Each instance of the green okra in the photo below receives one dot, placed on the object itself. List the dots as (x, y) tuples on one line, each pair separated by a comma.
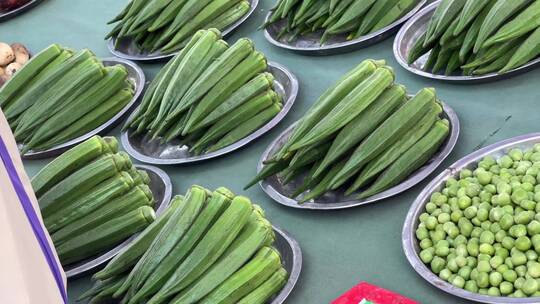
[(449, 33), (267, 171), (229, 17), (351, 106), (267, 289), (472, 32), (418, 49), (496, 65), (525, 22), (453, 64), (374, 15), (386, 159), (387, 134), (501, 11), (491, 54), (432, 58), (362, 125), (411, 160), (325, 184), (167, 15), (444, 15), (350, 17), (527, 51), (471, 10), (397, 11)]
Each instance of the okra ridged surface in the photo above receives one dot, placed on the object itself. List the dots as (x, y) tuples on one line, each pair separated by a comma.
[(363, 136), (479, 37), (209, 96), (350, 18), (168, 26), (92, 199), (62, 94), (207, 247)]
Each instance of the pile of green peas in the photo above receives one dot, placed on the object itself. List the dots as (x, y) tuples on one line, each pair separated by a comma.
[(482, 232)]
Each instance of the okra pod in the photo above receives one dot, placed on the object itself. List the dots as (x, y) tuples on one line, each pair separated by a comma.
[(471, 10), (527, 51)]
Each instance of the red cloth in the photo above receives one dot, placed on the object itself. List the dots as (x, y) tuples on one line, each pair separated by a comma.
[(371, 293)]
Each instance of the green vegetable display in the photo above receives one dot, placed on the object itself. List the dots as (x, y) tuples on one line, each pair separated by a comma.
[(209, 96), (92, 198), (353, 18), (477, 37), (481, 232), (208, 247), (167, 26), (62, 94), (364, 133)]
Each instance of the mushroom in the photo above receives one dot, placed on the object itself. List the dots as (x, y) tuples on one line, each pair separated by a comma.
[(6, 54), (12, 68), (2, 71), (3, 79), (21, 53)]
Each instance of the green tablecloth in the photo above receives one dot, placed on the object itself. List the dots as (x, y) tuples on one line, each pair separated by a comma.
[(340, 248)]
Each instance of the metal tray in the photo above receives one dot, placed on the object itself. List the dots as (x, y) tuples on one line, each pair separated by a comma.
[(415, 27), (127, 49), (410, 244), (136, 75), (291, 256), (309, 44), (336, 199), (145, 150), (161, 187), (12, 13)]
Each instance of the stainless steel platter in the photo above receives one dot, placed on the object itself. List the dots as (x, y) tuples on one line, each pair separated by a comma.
[(415, 27), (150, 151), (410, 243), (291, 255), (336, 199), (309, 44), (161, 187), (126, 48), (136, 75), (5, 15)]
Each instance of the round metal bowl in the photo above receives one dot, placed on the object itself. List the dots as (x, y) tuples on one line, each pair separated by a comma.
[(136, 75), (15, 12), (410, 243), (161, 187), (291, 256), (128, 50), (415, 27), (333, 200), (309, 44), (150, 151)]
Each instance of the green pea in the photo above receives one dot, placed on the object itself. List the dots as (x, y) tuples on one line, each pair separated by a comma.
[(519, 294), (436, 212), (530, 178), (502, 252), (537, 196), (482, 280), (464, 202), (484, 257), (494, 292), (456, 215), (527, 186), (495, 214), (446, 209), (489, 160), (483, 291), (503, 199), (431, 222), (442, 251), (518, 258), (453, 232), (533, 228), (518, 230), (507, 221), (486, 249), (426, 243), (496, 261), (482, 214), (471, 261), (437, 264), (508, 242), (533, 269), (508, 262), (426, 256), (470, 212), (437, 235), (502, 268), (476, 232), (465, 272), (510, 276), (518, 195), (484, 196), (443, 218), (535, 156), (523, 243), (445, 274), (484, 177), (471, 286), (452, 265), (487, 237), (465, 173), (516, 154), (422, 233), (460, 240), (505, 162), (506, 288), (483, 266), (531, 255), (490, 189), (521, 270), (500, 235), (529, 287), (495, 279), (518, 283), (458, 282)]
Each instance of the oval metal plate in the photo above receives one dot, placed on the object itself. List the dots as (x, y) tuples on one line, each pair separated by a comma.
[(145, 150), (12, 13), (309, 44), (291, 256), (161, 186), (136, 75), (415, 27), (336, 199), (126, 48), (410, 244)]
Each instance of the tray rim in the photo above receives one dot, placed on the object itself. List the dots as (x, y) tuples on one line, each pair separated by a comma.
[(13, 13), (297, 262)]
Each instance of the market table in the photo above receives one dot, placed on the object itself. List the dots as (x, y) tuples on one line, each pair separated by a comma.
[(340, 248)]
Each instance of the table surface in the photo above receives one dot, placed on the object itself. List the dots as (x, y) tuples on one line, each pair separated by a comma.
[(341, 248)]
